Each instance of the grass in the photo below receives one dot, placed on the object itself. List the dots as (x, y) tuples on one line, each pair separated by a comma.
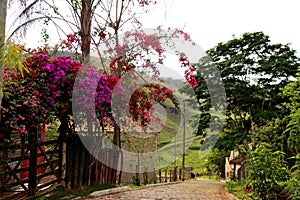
[(137, 186), (65, 193), (192, 158), (215, 178), (237, 189)]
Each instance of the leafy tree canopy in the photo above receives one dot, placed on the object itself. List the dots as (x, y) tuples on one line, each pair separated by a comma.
[(253, 70)]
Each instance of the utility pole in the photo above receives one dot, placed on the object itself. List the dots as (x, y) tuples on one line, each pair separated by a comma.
[(175, 149), (183, 146)]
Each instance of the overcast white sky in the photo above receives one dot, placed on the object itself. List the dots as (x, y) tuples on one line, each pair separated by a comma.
[(212, 21)]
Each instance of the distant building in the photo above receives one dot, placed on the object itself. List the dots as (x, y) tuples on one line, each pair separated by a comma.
[(232, 165)]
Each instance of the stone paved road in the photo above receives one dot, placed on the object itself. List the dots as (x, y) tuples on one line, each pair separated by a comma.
[(192, 189)]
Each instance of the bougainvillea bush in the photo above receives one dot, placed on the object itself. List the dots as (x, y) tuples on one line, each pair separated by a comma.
[(23, 109), (141, 52), (143, 100), (44, 91)]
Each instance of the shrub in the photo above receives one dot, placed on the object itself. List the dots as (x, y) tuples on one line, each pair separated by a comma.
[(266, 171), (292, 186)]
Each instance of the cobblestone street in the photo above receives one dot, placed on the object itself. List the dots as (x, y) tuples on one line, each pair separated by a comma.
[(197, 189)]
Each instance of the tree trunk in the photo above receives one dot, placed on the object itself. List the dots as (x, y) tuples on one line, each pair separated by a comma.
[(85, 32), (3, 8), (114, 158), (222, 168)]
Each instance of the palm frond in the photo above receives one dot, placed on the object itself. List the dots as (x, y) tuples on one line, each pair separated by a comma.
[(25, 24), (25, 12)]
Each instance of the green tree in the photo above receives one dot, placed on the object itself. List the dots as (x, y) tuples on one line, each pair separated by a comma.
[(253, 70), (10, 53), (292, 132), (292, 91)]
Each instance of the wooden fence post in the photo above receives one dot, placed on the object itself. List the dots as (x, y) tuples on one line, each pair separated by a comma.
[(166, 175), (145, 177), (62, 160), (137, 168), (137, 175), (63, 163), (180, 174), (159, 174), (32, 185), (155, 178), (175, 174)]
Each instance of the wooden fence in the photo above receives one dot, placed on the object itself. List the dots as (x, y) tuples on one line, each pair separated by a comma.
[(30, 168), (63, 162), (172, 175), (82, 168)]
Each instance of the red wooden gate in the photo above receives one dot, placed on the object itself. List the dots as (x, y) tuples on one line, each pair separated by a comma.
[(18, 179)]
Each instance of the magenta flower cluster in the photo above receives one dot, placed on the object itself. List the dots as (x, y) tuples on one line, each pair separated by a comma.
[(92, 91), (60, 75)]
